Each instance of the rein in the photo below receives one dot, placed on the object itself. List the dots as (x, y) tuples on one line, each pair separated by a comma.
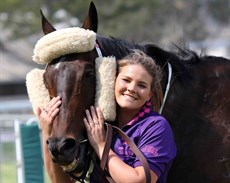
[(131, 144)]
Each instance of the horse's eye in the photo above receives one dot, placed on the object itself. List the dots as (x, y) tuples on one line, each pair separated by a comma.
[(89, 75)]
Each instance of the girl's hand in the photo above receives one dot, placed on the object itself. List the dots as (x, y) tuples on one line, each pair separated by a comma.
[(94, 123), (47, 115)]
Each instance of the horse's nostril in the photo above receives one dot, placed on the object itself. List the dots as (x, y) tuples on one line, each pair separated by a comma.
[(67, 144)]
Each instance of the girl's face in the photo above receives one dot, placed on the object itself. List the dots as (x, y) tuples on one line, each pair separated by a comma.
[(133, 87)]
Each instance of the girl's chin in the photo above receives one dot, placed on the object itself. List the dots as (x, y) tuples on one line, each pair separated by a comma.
[(127, 103), (129, 106)]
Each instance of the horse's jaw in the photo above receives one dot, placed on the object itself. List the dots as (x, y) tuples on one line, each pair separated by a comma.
[(72, 166), (80, 162), (77, 167)]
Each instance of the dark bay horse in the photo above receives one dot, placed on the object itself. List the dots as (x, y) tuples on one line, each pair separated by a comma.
[(197, 105)]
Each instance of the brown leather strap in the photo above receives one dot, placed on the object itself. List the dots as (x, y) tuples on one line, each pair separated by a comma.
[(108, 141), (137, 152), (131, 144)]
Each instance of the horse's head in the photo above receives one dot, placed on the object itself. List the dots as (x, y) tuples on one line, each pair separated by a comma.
[(73, 78), (78, 73), (70, 74)]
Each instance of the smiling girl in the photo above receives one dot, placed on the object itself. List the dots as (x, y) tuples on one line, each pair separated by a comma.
[(137, 84)]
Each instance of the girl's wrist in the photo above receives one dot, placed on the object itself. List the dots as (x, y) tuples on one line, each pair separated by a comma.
[(100, 151)]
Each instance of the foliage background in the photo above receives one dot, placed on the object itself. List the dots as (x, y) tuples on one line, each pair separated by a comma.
[(160, 21)]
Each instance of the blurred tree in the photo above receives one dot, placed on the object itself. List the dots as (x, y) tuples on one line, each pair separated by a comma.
[(19, 17), (219, 10), (160, 21)]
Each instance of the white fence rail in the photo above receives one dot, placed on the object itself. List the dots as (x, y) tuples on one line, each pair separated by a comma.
[(11, 108)]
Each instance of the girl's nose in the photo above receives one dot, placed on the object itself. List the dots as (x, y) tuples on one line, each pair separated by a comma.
[(131, 88)]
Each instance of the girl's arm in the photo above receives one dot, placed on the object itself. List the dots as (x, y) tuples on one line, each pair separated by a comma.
[(123, 173), (119, 170)]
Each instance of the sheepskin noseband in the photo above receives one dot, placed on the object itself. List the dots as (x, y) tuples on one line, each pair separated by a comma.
[(67, 41)]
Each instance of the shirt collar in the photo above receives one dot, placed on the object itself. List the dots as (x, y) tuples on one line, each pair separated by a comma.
[(144, 110)]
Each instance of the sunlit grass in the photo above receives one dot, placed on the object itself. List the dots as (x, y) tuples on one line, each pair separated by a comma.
[(8, 173), (8, 168)]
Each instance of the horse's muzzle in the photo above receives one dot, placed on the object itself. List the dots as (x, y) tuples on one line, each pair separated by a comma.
[(63, 150)]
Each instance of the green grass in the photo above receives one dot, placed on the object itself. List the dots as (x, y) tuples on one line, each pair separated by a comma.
[(8, 169), (8, 173)]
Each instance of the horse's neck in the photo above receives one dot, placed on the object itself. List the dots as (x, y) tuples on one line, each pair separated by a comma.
[(117, 47)]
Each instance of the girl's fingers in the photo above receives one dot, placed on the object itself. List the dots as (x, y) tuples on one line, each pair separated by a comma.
[(94, 115), (39, 111), (53, 103), (87, 126), (53, 107), (100, 116), (89, 118), (55, 112), (47, 115)]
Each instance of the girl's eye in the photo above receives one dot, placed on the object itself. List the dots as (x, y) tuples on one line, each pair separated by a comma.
[(126, 80), (142, 86)]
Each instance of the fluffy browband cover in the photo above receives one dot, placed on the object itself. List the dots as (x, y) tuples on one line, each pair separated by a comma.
[(37, 92), (63, 42), (105, 81)]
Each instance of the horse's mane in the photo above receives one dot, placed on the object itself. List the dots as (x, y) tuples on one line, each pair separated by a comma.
[(179, 59), (186, 55), (117, 47)]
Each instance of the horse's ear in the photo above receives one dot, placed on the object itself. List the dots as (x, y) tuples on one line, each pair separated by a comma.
[(91, 20), (46, 25)]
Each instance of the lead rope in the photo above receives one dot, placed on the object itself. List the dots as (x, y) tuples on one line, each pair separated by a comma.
[(133, 147), (167, 87)]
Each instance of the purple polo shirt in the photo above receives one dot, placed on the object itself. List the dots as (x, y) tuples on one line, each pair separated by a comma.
[(153, 136)]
